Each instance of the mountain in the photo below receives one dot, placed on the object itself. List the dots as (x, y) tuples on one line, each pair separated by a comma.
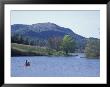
[(43, 31)]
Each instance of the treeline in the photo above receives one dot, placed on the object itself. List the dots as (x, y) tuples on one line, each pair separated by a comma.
[(60, 45), (20, 39)]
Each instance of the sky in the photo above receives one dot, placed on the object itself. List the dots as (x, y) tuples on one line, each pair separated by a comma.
[(85, 23)]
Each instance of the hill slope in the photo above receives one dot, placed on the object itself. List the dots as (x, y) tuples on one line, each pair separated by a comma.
[(43, 31)]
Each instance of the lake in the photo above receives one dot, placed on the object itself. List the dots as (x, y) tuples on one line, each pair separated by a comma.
[(44, 66)]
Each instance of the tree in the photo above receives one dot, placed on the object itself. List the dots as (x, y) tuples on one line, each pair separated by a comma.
[(17, 38), (68, 44), (92, 48), (55, 43)]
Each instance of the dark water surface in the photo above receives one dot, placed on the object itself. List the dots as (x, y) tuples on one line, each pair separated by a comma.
[(44, 66)]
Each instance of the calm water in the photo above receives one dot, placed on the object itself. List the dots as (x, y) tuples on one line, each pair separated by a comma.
[(42, 66)]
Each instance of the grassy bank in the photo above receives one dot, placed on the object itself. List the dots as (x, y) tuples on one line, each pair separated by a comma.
[(28, 50)]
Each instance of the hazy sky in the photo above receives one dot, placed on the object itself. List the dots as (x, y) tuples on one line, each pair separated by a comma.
[(85, 23)]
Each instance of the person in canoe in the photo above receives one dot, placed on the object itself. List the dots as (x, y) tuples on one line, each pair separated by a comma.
[(27, 63)]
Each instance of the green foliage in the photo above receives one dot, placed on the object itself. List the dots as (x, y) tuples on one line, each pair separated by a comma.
[(68, 44), (92, 48), (55, 53), (50, 51), (59, 53)]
